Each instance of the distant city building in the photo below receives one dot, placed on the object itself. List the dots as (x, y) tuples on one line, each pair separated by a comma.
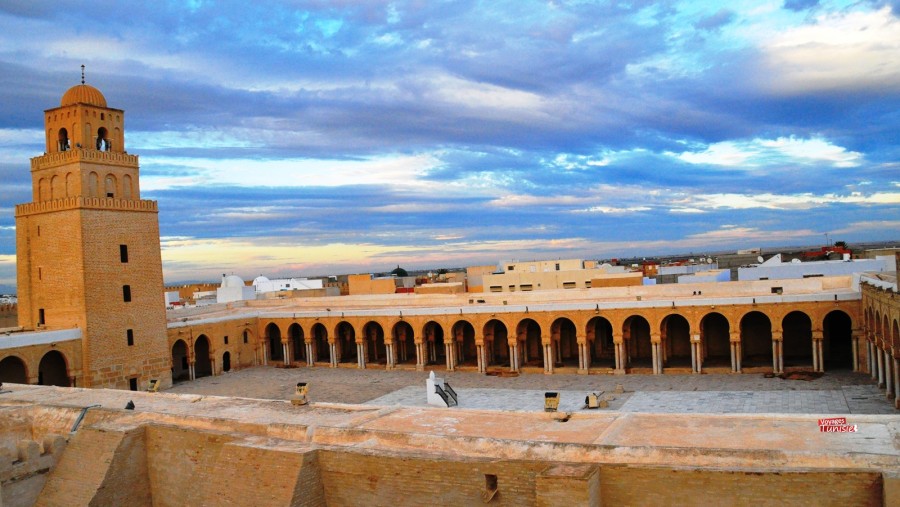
[(234, 289), (557, 274), (775, 269)]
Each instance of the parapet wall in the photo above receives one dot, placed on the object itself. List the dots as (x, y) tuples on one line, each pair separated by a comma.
[(195, 450)]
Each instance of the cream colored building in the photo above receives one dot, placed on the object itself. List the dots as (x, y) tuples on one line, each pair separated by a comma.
[(558, 274)]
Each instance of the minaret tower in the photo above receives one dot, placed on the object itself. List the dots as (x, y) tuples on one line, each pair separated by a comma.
[(87, 247)]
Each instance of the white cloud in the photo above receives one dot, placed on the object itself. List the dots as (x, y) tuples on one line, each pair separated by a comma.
[(398, 170), (840, 51), (764, 152)]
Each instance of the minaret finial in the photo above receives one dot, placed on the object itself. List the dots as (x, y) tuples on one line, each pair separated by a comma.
[(82, 73)]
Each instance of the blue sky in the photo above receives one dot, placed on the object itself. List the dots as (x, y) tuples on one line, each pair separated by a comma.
[(321, 137)]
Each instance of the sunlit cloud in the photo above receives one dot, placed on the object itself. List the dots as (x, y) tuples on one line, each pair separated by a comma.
[(762, 152), (846, 50)]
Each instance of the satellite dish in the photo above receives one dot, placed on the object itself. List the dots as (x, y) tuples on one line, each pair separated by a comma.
[(709, 260), (795, 261), (759, 258)]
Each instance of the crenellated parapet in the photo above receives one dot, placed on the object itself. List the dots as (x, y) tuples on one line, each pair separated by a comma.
[(98, 203), (51, 160)]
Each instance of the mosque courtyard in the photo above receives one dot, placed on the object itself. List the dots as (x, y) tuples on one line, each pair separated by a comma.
[(840, 392)]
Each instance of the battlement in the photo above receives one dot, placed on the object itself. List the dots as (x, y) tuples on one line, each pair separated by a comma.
[(50, 160), (100, 203)]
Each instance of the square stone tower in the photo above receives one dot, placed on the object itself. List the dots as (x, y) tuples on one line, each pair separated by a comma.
[(87, 247)]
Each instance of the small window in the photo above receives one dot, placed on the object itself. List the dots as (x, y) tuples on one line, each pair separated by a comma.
[(110, 195), (777, 290), (510, 268), (526, 287), (226, 340), (126, 293), (132, 384), (40, 317), (102, 116), (39, 230), (512, 288), (245, 336), (129, 334), (568, 285), (40, 274), (587, 284), (496, 288), (123, 253), (557, 266)]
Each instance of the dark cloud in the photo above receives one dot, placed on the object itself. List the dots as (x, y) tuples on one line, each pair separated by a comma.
[(715, 21)]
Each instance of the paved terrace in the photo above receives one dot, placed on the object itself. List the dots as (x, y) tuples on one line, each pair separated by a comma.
[(832, 393)]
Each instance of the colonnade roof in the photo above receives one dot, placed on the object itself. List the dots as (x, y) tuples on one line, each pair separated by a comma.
[(25, 339), (557, 301)]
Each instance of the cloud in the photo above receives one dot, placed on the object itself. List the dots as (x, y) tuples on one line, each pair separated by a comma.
[(761, 152), (843, 51)]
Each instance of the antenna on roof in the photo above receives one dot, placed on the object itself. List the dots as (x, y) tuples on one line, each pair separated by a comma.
[(82, 73)]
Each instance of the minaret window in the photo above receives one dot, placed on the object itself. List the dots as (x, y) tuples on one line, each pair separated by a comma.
[(110, 186), (102, 139), (63, 140), (126, 293), (123, 253)]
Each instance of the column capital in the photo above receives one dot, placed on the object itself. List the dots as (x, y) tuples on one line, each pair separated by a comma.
[(818, 334), (777, 336), (655, 337)]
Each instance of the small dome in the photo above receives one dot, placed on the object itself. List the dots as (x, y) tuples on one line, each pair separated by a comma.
[(260, 280), (232, 281), (83, 94)]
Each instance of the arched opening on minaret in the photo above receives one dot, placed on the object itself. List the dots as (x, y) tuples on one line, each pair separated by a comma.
[(63, 140), (102, 139)]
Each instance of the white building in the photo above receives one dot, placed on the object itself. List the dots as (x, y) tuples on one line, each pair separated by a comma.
[(233, 288), (263, 284), (776, 269)]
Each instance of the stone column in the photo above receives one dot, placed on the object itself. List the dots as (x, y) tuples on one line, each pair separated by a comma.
[(879, 355), (191, 371), (548, 358), (777, 357), (618, 345), (888, 375), (896, 382), (332, 355), (265, 354), (309, 354), (854, 339), (479, 356), (287, 356), (360, 356), (582, 355), (870, 356), (420, 357)]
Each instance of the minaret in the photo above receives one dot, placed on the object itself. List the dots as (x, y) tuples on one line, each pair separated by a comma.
[(87, 247)]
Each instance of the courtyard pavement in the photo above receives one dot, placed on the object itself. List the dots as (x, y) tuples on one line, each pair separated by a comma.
[(834, 393)]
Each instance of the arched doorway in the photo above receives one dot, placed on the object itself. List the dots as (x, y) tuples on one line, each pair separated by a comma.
[(434, 336), (202, 364), (636, 331), (528, 339), (600, 336), (797, 328), (377, 351), (676, 336), (52, 370), (406, 343), (273, 342), (13, 370), (320, 341), (497, 344), (180, 368), (756, 340), (716, 339), (565, 342), (837, 332), (465, 340), (346, 337), (298, 345), (226, 361)]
